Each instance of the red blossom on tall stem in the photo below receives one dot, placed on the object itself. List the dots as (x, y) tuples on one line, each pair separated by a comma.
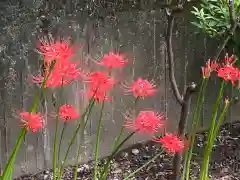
[(59, 50), (100, 80), (141, 88), (63, 73), (171, 143), (31, 121), (67, 113), (209, 68), (146, 122), (205, 72), (228, 73), (229, 60), (212, 65), (113, 61), (99, 85)]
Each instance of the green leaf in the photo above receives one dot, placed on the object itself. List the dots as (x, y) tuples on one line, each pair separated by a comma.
[(196, 24)]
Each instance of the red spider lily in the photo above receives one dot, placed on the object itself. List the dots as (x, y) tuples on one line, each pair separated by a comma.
[(229, 60), (100, 84), (210, 67), (100, 80), (59, 50), (31, 121), (213, 65), (53, 81), (206, 72), (68, 113), (141, 88), (63, 73), (67, 70), (228, 73), (146, 122), (113, 60), (171, 143)]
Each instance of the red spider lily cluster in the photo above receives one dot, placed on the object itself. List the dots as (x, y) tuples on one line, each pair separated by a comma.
[(64, 70), (68, 113), (226, 70), (100, 84)]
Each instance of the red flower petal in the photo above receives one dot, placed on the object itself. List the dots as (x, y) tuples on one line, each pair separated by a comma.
[(31, 121), (146, 122), (68, 113), (171, 143), (141, 88)]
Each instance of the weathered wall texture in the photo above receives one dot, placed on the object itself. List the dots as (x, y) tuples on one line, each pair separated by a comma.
[(140, 35)]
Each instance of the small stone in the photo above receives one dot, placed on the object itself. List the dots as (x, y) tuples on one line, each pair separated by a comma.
[(225, 170), (114, 165), (117, 171), (125, 154), (135, 151), (45, 176), (145, 157), (227, 177), (86, 166), (80, 169)]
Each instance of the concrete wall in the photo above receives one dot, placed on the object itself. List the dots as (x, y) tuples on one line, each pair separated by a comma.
[(140, 35)]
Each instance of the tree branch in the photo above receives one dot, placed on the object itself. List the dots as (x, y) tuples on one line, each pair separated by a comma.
[(182, 126), (170, 58), (184, 100)]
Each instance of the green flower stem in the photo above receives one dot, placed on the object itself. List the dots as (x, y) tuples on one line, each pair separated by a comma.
[(60, 142), (79, 147), (110, 157), (7, 173), (97, 143), (143, 166), (216, 130), (122, 128), (207, 150), (117, 140), (220, 120), (90, 105), (55, 142), (106, 165), (54, 149), (196, 117)]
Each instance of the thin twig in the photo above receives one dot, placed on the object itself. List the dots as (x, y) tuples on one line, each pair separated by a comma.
[(171, 59), (230, 34)]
